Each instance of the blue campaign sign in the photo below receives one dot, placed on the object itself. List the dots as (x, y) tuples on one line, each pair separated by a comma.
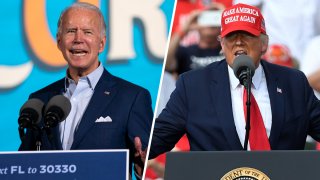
[(137, 33), (65, 165)]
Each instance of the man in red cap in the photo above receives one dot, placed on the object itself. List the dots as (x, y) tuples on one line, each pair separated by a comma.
[(208, 103)]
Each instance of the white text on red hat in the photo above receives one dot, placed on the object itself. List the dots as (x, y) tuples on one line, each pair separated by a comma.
[(240, 10)]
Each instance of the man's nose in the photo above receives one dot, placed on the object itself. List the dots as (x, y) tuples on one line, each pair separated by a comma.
[(239, 39), (78, 37)]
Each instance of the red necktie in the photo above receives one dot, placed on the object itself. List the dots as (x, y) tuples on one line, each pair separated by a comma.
[(258, 136)]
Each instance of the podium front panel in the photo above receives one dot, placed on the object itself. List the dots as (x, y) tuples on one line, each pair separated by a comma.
[(65, 165), (238, 165)]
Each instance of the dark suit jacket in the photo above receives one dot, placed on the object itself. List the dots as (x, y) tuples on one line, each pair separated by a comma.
[(128, 105), (201, 107)]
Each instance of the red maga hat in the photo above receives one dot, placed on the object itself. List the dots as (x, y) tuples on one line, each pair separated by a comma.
[(242, 17), (279, 54)]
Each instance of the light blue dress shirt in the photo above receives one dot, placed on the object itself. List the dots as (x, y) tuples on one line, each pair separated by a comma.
[(79, 95)]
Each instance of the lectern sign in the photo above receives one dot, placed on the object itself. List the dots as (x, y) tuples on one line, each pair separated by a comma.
[(245, 173), (65, 165)]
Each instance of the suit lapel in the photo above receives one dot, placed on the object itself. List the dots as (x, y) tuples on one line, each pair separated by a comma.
[(275, 90), (219, 88), (104, 92)]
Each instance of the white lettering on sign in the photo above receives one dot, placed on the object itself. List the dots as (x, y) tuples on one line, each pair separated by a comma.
[(42, 169)]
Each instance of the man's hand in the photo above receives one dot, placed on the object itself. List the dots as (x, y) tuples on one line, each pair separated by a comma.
[(139, 156), (191, 22)]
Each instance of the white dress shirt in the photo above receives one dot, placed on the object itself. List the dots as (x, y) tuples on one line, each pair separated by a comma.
[(79, 96), (260, 92)]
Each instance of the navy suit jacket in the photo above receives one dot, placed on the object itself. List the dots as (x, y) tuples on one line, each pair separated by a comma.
[(200, 106), (128, 105)]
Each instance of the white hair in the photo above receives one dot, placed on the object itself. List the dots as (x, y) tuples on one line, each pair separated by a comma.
[(84, 5)]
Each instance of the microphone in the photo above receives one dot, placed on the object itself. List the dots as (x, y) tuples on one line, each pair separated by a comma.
[(29, 117), (30, 113), (243, 68), (57, 109)]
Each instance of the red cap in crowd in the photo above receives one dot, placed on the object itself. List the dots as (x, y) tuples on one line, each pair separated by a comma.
[(242, 17), (279, 54)]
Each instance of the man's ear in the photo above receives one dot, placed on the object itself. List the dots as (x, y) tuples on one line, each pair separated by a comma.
[(265, 45), (222, 46), (58, 40), (102, 43)]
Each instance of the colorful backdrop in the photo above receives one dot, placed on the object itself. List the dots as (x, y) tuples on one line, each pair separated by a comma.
[(137, 32)]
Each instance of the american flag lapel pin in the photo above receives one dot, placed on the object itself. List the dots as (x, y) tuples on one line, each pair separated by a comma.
[(279, 90)]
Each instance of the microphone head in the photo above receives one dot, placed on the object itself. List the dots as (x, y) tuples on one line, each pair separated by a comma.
[(31, 112), (58, 105), (241, 63)]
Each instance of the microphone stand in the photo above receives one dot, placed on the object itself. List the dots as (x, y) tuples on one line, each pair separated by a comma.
[(247, 85), (22, 136), (51, 121), (50, 136), (38, 138), (38, 132)]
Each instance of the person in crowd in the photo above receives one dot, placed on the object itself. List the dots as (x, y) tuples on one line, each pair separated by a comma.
[(281, 55), (206, 22), (311, 64)]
